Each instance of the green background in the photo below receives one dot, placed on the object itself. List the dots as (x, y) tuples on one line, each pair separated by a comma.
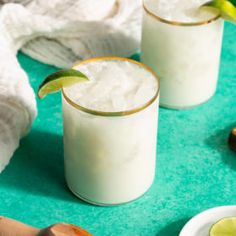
[(195, 168)]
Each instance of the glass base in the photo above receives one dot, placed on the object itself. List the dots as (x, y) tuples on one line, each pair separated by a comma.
[(104, 204), (186, 107)]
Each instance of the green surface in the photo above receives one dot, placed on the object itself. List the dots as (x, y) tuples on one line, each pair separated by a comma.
[(195, 168)]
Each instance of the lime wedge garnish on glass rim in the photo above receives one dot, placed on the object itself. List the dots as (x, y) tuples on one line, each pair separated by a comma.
[(59, 80), (224, 227), (227, 8)]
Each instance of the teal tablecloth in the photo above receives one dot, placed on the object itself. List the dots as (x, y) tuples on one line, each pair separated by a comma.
[(195, 168)]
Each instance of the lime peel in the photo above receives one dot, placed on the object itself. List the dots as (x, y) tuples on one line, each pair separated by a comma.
[(60, 79), (227, 8)]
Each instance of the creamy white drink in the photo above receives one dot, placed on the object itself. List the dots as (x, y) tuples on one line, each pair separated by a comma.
[(110, 131), (182, 43)]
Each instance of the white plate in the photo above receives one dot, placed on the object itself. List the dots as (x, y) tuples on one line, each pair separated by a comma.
[(200, 224)]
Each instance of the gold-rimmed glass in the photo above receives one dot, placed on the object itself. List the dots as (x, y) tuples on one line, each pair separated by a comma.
[(185, 55), (110, 156)]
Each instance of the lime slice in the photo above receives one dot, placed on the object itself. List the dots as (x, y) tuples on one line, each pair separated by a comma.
[(224, 227), (227, 8), (56, 81)]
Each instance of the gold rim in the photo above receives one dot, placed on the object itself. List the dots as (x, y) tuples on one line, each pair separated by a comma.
[(119, 113), (148, 11)]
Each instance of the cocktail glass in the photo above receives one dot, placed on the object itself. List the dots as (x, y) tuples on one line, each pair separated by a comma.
[(110, 156), (185, 56)]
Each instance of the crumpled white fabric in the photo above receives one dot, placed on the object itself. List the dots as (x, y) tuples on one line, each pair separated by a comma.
[(57, 32)]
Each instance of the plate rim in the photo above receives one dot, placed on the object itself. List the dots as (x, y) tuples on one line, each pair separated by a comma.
[(185, 229)]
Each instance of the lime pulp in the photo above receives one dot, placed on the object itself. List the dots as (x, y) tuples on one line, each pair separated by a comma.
[(226, 8), (224, 227)]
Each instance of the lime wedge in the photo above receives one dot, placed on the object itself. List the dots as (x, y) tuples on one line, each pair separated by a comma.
[(224, 227), (56, 81), (227, 8)]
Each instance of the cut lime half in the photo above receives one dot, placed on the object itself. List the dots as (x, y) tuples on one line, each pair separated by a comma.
[(224, 227), (227, 8), (61, 79)]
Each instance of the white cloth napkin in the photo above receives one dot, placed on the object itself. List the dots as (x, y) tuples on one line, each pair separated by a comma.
[(57, 32)]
